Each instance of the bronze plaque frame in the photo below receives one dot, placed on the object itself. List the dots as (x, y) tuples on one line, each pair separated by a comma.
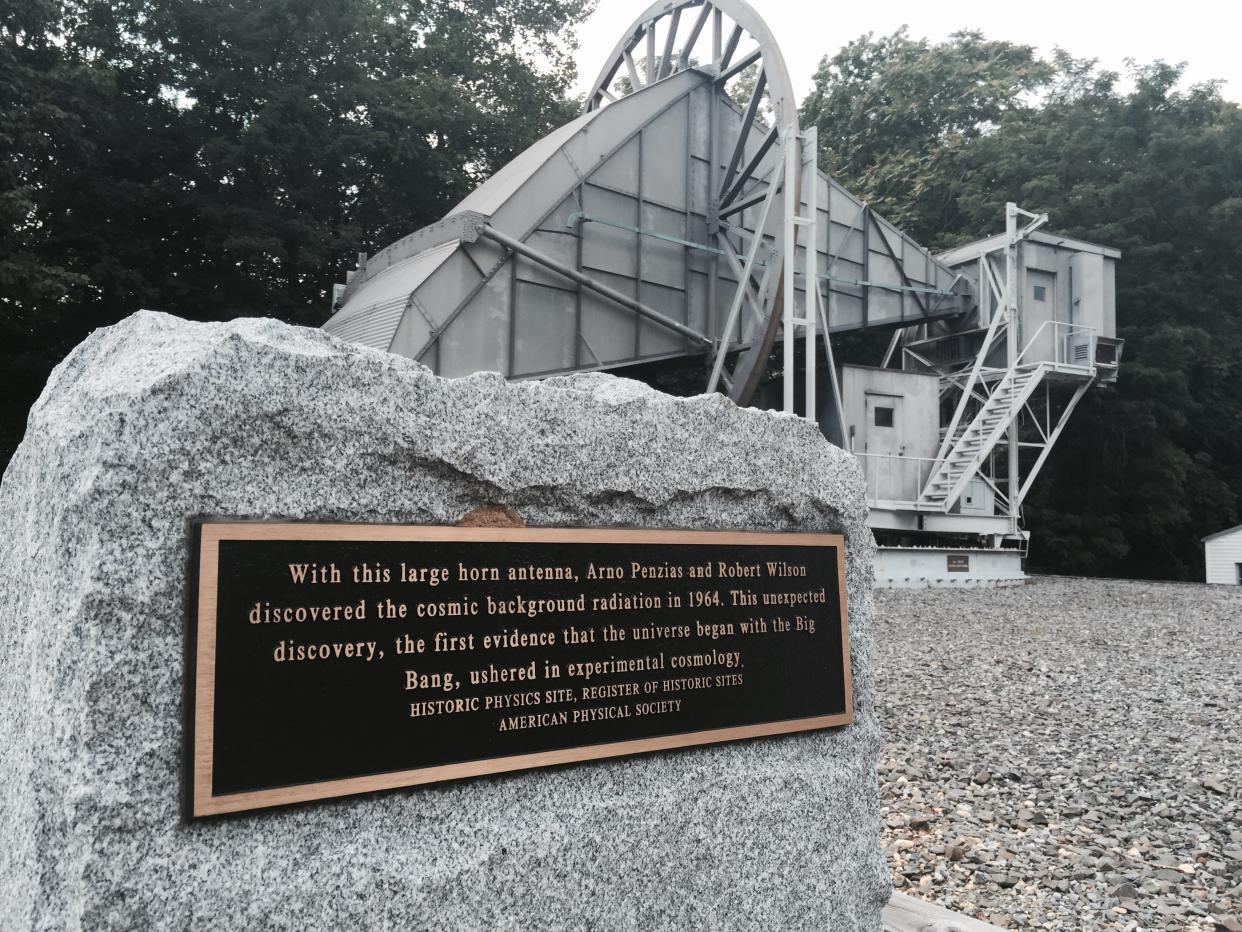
[(201, 651)]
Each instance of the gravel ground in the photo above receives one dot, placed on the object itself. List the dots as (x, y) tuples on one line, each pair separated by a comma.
[(1065, 755)]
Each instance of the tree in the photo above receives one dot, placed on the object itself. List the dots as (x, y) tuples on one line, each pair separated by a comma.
[(894, 114), (232, 157)]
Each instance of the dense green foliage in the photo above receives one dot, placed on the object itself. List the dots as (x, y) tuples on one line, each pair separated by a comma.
[(939, 136), (231, 157)]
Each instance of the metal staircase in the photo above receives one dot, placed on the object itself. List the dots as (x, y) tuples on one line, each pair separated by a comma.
[(971, 447)]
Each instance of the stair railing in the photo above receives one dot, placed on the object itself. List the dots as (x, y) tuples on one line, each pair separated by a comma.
[(967, 390), (1060, 339)]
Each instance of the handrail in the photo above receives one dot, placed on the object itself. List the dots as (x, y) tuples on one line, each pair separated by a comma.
[(898, 456), (993, 330), (922, 462), (1056, 345), (886, 470)]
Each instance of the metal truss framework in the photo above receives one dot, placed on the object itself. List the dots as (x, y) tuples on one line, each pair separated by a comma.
[(628, 235), (753, 180), (995, 403)]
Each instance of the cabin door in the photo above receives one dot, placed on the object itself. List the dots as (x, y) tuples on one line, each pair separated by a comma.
[(890, 475)]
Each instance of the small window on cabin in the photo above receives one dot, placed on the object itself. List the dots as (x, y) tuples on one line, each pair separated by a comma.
[(883, 417), (1041, 293)]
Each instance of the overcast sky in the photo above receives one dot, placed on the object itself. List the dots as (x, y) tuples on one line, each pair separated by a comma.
[(1204, 34)]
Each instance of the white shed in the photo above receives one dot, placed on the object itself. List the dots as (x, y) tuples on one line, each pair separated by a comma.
[(1222, 555)]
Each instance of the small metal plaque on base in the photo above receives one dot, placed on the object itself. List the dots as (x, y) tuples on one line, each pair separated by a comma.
[(331, 659)]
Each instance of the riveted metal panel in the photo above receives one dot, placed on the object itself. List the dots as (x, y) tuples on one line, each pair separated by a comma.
[(432, 303), (607, 328), (561, 245), (842, 205), (652, 338), (846, 243), (664, 150), (620, 171), (544, 337), (477, 340), (663, 262), (606, 248), (696, 293)]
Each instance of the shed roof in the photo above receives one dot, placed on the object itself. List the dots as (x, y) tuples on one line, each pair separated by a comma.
[(1223, 533), (973, 250)]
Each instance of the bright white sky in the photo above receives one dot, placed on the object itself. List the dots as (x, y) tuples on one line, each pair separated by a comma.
[(1205, 34)]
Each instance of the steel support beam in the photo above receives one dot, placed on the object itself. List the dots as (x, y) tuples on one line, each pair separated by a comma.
[(743, 287), (693, 38), (748, 120), (1052, 439), (586, 281), (750, 367), (632, 70), (748, 201), (735, 266), (793, 169), (1011, 352), (740, 66), (809, 158), (729, 48), (666, 58), (768, 141)]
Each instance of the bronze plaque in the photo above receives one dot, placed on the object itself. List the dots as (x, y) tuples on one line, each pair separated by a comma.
[(330, 659), (958, 562)]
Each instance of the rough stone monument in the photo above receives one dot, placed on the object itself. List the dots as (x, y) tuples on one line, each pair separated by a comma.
[(155, 422)]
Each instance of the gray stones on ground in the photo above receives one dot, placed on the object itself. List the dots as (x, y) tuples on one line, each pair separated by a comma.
[(1112, 798)]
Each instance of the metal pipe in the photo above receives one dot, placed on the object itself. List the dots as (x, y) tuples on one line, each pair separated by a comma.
[(504, 239), (793, 169), (884, 286), (578, 216), (810, 258), (710, 208), (750, 200), (1012, 335)]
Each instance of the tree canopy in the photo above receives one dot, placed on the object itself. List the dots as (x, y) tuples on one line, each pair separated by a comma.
[(232, 157), (938, 136)]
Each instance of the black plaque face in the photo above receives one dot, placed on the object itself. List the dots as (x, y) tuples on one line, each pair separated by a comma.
[(958, 562), (336, 659)]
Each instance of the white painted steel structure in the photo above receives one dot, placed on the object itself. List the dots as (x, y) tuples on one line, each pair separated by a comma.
[(1222, 557), (682, 216), (655, 226)]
